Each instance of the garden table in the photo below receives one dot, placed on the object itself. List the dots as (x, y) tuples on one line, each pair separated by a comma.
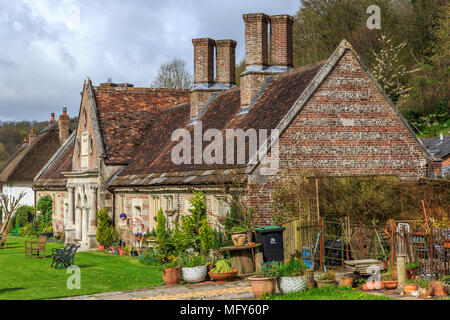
[(245, 259)]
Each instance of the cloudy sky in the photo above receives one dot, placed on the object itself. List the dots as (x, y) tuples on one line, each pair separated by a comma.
[(48, 47)]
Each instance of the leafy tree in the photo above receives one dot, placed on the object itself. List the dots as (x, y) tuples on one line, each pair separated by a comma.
[(173, 75), (45, 207), (24, 215), (106, 233), (388, 71)]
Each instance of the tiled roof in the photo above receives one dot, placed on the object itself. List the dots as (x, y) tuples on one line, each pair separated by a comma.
[(440, 148), (52, 176), (124, 114), (154, 155), (26, 162)]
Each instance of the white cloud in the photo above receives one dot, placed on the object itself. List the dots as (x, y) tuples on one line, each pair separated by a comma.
[(50, 46)]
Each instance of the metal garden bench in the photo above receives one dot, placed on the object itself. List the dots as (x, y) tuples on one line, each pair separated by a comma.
[(64, 257)]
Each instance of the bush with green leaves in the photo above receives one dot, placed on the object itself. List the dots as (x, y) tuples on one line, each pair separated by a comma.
[(106, 233), (267, 271), (163, 237), (45, 207), (24, 215), (191, 260), (291, 268), (150, 257)]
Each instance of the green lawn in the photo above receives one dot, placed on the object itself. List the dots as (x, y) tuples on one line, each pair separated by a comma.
[(25, 279), (327, 293)]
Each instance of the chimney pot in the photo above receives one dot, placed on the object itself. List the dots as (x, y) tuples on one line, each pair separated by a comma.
[(32, 136)]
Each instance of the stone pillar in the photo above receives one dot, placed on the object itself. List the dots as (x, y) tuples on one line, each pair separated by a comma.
[(92, 233), (70, 227)]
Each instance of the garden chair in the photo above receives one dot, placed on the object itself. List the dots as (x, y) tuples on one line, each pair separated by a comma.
[(64, 257), (14, 232), (3, 242), (36, 247)]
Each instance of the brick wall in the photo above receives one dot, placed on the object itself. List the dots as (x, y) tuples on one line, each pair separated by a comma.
[(347, 128)]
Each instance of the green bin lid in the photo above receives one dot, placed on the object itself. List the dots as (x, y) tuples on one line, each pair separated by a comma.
[(267, 228)]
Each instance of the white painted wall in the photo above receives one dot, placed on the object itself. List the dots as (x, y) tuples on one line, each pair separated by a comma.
[(15, 189)]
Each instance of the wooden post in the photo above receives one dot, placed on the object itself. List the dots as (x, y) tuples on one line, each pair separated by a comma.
[(310, 278), (321, 244), (392, 243), (317, 199), (401, 270)]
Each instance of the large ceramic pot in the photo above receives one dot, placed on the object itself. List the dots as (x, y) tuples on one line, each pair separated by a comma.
[(390, 285), (292, 284), (261, 286), (222, 277), (195, 274), (438, 289), (172, 276), (409, 288), (346, 282), (239, 239)]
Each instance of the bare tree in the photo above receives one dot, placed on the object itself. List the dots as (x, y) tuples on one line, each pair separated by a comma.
[(173, 75), (9, 204)]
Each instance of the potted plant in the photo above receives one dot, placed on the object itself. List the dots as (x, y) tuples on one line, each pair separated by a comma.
[(411, 269), (121, 251), (326, 279), (347, 280), (409, 286), (424, 288), (389, 281), (264, 281), (291, 276), (222, 271), (446, 281), (194, 268), (171, 272), (239, 236), (138, 236)]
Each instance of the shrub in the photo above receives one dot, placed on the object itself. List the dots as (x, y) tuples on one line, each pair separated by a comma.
[(106, 233), (163, 236), (45, 206), (291, 268), (267, 271), (193, 260), (150, 258), (205, 234), (24, 215)]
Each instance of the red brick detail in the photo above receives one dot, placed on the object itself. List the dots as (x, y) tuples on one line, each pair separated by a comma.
[(256, 39), (226, 62), (203, 60), (281, 46)]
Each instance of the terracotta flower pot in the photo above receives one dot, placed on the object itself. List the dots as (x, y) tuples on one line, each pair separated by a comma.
[(374, 285), (325, 283), (172, 276), (347, 282), (408, 288), (438, 289), (222, 277), (101, 248), (261, 286), (239, 239), (121, 252), (390, 285)]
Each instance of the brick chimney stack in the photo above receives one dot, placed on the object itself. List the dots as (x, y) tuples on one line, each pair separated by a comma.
[(64, 126), (203, 62), (226, 62), (32, 136), (256, 40), (281, 41), (52, 118), (204, 87), (259, 72)]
